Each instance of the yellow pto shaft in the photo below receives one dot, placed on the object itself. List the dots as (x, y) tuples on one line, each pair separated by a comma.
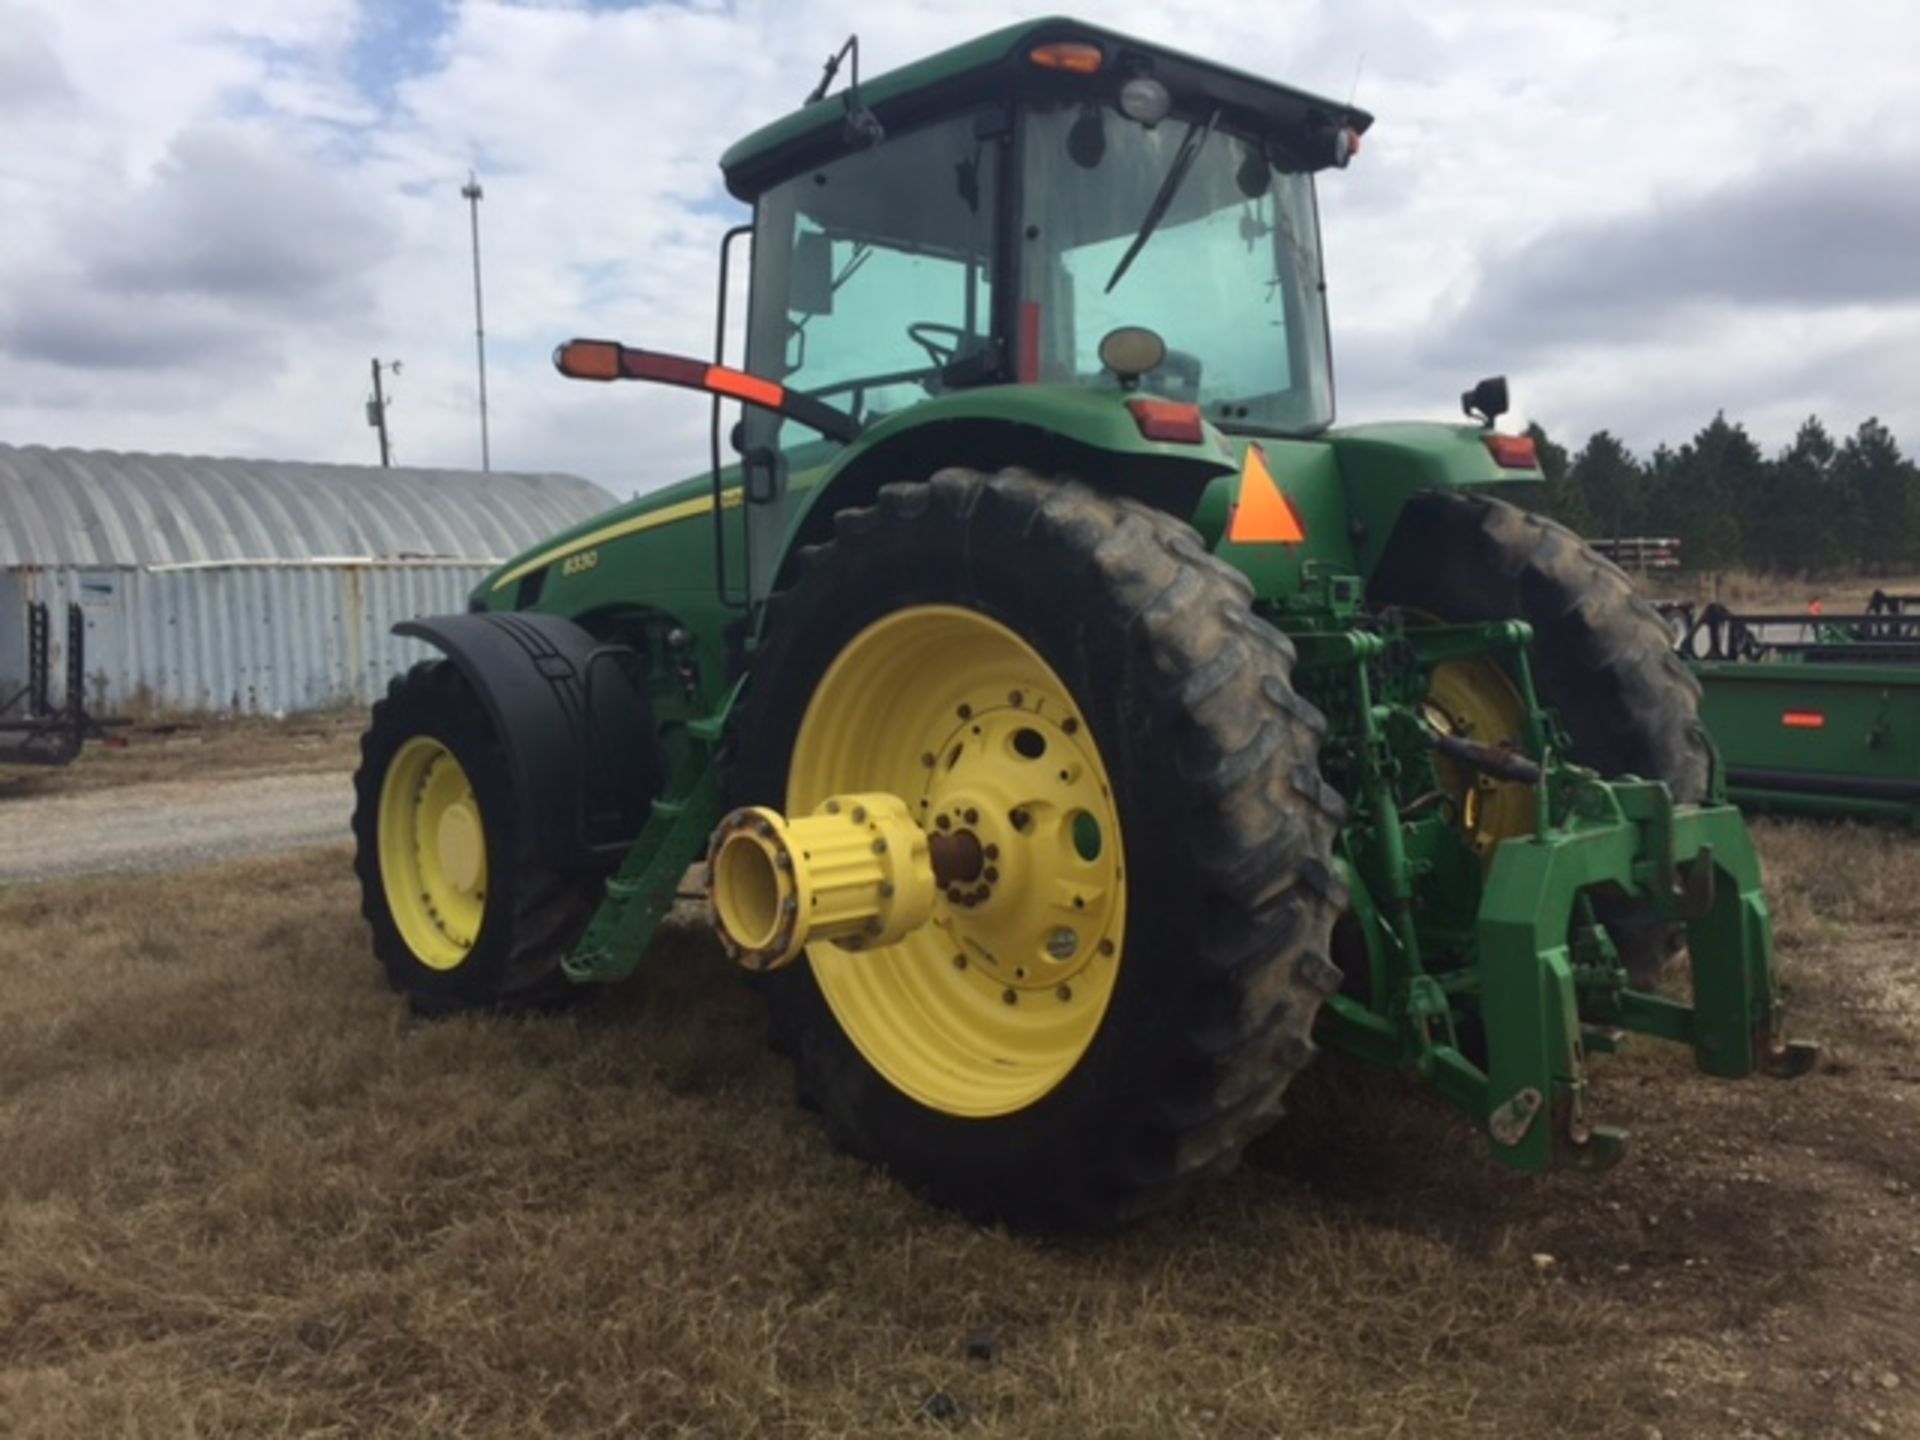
[(859, 872)]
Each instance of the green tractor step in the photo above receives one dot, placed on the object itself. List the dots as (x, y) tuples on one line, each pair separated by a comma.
[(1080, 731)]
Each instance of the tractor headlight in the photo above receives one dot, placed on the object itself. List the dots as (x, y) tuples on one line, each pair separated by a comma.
[(1146, 100)]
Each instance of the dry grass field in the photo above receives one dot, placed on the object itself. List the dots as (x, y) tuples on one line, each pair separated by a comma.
[(1747, 590), (243, 1192)]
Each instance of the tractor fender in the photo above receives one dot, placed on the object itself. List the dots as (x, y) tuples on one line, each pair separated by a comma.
[(573, 721), (1044, 432)]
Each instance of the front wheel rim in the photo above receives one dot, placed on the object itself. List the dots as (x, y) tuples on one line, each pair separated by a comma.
[(433, 853), (996, 1000)]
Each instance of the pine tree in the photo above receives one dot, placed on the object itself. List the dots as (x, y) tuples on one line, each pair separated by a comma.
[(1871, 469), (1609, 485), (1713, 477), (1659, 513), (1810, 522), (1557, 496)]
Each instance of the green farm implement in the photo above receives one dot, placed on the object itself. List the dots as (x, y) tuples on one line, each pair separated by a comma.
[(1814, 714), (1074, 730)]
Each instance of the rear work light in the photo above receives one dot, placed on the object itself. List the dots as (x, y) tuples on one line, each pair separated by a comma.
[(1512, 452), (1068, 55), (1167, 420)]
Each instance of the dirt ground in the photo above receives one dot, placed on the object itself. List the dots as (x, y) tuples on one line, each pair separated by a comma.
[(167, 796), (165, 824), (242, 1191)]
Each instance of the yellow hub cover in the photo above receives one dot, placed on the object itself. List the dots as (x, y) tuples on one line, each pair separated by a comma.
[(994, 1001), (433, 853), (1477, 699)]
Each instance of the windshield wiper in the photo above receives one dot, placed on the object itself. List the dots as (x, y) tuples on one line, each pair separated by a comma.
[(1191, 144)]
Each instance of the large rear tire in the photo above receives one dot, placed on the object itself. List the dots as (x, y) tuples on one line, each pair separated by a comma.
[(1601, 658), (947, 636), (463, 916)]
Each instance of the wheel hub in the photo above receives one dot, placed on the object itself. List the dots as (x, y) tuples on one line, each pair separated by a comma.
[(990, 999), (433, 853), (462, 852), (1010, 780)]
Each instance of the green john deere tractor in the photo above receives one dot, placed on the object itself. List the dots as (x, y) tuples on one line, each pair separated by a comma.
[(1076, 731)]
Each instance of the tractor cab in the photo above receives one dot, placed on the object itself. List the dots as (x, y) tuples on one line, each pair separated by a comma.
[(992, 215)]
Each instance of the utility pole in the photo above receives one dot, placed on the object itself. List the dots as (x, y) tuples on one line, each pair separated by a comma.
[(472, 194), (377, 408)]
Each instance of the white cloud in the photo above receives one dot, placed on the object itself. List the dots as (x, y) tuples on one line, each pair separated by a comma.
[(217, 214)]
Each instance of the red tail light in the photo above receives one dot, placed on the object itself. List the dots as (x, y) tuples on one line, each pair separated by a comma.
[(1804, 720), (1167, 420), (1512, 452)]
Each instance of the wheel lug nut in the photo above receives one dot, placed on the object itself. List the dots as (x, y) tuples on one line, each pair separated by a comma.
[(953, 894), (1010, 997), (990, 875), (992, 852), (972, 817), (965, 712), (959, 962), (1062, 942), (1064, 993)]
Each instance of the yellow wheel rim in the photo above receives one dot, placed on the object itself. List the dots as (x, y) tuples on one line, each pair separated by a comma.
[(1477, 699), (433, 853), (995, 1000)]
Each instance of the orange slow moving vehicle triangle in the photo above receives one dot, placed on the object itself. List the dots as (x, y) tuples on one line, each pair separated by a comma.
[(1263, 515)]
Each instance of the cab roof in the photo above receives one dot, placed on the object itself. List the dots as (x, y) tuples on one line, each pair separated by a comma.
[(949, 78)]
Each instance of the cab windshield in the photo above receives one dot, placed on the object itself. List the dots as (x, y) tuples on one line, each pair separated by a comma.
[(872, 285), (1230, 277)]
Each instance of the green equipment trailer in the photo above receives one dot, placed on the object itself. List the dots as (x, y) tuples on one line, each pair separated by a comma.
[(1076, 728), (1813, 713)]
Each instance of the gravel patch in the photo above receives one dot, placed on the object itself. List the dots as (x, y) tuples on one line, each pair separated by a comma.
[(169, 824)]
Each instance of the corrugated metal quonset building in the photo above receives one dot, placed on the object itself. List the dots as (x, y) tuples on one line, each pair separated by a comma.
[(250, 586)]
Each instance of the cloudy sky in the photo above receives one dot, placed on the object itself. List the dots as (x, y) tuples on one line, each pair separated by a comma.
[(212, 215)]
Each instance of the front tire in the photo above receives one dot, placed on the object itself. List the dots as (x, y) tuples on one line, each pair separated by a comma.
[(982, 623), (462, 915)]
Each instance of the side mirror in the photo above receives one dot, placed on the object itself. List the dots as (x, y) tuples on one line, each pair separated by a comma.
[(810, 276), (1087, 140)]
